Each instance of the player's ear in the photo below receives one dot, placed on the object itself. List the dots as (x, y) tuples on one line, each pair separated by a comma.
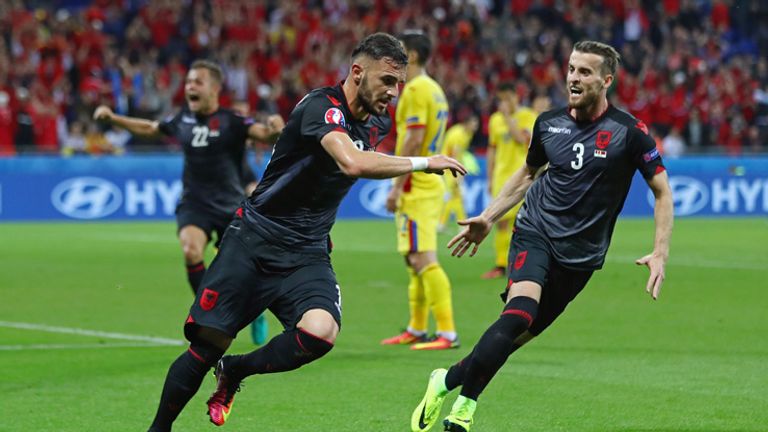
[(356, 73), (607, 80)]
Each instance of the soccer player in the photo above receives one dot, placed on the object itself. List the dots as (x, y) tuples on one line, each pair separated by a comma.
[(564, 227), (509, 131), (416, 199), (213, 141), (457, 139), (275, 254)]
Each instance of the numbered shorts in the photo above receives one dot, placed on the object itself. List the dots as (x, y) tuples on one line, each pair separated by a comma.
[(250, 274), (417, 220), (530, 259), (209, 222)]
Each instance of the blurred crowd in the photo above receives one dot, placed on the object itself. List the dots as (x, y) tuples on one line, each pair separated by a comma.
[(696, 71)]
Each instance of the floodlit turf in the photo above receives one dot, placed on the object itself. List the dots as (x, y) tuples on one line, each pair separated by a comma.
[(694, 361)]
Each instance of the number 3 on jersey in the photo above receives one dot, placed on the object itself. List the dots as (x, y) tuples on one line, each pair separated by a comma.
[(579, 149), (200, 138)]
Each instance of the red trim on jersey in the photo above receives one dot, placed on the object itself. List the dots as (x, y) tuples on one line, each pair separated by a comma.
[(407, 183), (196, 268), (340, 129), (660, 169), (197, 356), (189, 320), (521, 313), (416, 126), (333, 100), (313, 336)]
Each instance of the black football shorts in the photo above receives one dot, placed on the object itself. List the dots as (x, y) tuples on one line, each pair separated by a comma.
[(530, 259), (251, 274), (209, 222)]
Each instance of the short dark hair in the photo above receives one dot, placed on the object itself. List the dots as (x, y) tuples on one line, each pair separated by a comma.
[(380, 45), (213, 68), (419, 42), (611, 57), (507, 86)]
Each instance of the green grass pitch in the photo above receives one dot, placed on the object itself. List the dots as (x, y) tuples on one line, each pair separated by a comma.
[(694, 361)]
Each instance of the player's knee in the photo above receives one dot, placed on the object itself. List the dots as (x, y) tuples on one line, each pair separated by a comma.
[(319, 323), (207, 355), (518, 316), (313, 346), (193, 253)]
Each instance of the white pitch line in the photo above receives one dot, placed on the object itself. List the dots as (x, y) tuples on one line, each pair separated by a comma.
[(95, 333), (77, 346)]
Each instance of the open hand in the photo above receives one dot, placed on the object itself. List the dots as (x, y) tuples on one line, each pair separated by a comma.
[(655, 264), (475, 230), (440, 163)]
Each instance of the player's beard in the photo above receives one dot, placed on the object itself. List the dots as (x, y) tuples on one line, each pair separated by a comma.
[(365, 96), (589, 97)]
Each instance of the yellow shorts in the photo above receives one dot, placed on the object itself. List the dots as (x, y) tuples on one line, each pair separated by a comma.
[(417, 220)]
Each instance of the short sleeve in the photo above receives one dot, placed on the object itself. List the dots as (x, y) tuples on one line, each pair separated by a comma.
[(320, 117), (169, 125), (415, 108), (642, 147), (527, 120), (241, 125), (537, 156)]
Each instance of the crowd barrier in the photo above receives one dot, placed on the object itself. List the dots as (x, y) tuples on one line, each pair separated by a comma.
[(147, 187)]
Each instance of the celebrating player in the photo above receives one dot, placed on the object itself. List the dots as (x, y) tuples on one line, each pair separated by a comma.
[(275, 254), (564, 227), (416, 199), (213, 140), (509, 131)]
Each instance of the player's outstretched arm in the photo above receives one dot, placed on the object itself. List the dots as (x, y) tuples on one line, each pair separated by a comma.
[(477, 228), (268, 131), (136, 126), (357, 163), (663, 218)]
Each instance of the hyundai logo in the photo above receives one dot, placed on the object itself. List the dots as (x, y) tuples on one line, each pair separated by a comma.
[(373, 197), (689, 195), (86, 198)]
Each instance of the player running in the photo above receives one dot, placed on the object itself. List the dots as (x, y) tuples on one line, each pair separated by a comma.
[(416, 199), (564, 227), (275, 254), (213, 141)]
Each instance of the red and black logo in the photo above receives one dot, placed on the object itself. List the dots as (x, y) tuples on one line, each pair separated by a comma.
[(213, 123), (603, 139), (208, 299), (520, 259)]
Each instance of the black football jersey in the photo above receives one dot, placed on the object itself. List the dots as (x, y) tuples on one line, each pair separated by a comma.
[(575, 203), (296, 201), (214, 152)]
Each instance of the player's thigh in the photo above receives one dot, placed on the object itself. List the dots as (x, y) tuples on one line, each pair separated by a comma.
[(529, 265), (417, 221), (191, 222), (308, 287), (562, 287), (234, 290)]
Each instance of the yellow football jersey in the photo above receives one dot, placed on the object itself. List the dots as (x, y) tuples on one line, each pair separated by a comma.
[(423, 104), (510, 154), (457, 140)]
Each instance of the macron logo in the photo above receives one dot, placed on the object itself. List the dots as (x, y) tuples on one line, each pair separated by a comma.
[(559, 130)]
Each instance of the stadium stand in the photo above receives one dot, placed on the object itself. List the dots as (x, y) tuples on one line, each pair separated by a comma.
[(695, 70)]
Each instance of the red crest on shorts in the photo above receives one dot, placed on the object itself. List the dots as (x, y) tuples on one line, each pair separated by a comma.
[(603, 139), (208, 299), (520, 259)]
